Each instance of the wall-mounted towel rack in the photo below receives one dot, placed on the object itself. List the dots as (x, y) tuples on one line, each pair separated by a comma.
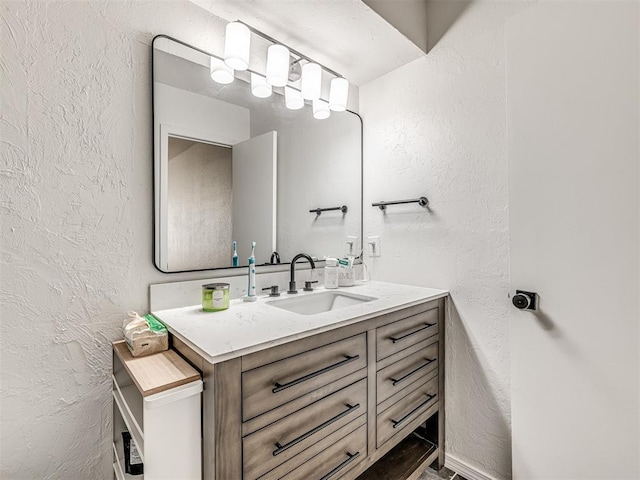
[(318, 211), (422, 201)]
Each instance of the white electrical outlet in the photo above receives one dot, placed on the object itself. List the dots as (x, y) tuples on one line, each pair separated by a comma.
[(351, 246), (373, 246)]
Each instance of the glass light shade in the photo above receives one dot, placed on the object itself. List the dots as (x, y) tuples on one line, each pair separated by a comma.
[(339, 94), (237, 46), (220, 72), (311, 81), (277, 65), (293, 99), (321, 109), (259, 86)]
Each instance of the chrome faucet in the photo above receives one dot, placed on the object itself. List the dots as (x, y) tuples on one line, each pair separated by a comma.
[(292, 280), (275, 258)]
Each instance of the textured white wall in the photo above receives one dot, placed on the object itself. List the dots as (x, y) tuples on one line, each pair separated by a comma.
[(75, 217), (437, 127), (323, 156)]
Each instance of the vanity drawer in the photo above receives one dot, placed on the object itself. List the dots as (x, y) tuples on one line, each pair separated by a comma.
[(398, 375), (273, 445), (408, 408), (399, 335), (316, 449), (336, 460), (272, 385)]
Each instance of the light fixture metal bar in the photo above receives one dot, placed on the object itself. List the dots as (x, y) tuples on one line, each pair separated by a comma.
[(295, 52)]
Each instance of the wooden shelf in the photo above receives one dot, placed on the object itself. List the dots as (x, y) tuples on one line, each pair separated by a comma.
[(155, 373), (406, 461)]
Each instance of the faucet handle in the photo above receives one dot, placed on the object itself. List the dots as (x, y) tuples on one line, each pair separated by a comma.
[(308, 287), (274, 290)]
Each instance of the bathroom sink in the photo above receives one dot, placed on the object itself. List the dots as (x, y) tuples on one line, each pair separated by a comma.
[(320, 302)]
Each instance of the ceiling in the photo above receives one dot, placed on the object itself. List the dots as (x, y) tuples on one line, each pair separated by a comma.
[(344, 35)]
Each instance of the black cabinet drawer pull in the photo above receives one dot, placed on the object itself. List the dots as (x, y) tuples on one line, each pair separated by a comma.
[(279, 387), (352, 457), (406, 335), (398, 422), (281, 448), (403, 378)]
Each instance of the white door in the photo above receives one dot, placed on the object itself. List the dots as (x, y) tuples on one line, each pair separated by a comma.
[(254, 173), (573, 147)]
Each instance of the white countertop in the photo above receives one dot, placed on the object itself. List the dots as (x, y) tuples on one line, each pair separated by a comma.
[(248, 327)]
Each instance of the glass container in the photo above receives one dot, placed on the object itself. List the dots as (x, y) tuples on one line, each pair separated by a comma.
[(215, 297)]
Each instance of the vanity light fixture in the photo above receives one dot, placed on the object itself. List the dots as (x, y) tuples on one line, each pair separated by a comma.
[(237, 46), (278, 65), (320, 109), (283, 66), (259, 86), (338, 94), (220, 72), (293, 98), (311, 81)]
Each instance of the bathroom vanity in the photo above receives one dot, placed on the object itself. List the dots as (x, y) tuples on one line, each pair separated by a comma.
[(318, 385)]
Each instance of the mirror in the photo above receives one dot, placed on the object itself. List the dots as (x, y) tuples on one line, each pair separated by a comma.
[(231, 167)]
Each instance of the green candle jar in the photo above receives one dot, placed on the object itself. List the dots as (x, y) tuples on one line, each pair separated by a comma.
[(215, 297)]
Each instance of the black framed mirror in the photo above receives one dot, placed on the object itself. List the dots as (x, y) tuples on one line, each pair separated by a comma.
[(231, 167)]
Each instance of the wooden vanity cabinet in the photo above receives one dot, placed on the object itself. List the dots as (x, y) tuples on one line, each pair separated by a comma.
[(328, 406)]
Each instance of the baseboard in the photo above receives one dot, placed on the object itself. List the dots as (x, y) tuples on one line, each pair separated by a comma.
[(464, 469)]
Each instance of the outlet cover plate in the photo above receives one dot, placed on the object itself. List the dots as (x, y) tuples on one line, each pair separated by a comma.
[(373, 246)]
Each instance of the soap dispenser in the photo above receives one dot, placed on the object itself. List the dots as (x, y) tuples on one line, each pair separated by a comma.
[(331, 273)]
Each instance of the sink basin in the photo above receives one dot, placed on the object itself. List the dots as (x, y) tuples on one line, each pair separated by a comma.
[(320, 302)]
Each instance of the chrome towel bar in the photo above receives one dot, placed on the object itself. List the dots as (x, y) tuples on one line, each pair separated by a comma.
[(422, 201), (318, 211)]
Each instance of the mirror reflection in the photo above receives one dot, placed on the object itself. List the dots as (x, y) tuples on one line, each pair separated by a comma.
[(231, 167), (199, 193)]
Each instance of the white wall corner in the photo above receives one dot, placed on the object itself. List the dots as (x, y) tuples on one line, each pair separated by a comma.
[(465, 470), (409, 18)]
